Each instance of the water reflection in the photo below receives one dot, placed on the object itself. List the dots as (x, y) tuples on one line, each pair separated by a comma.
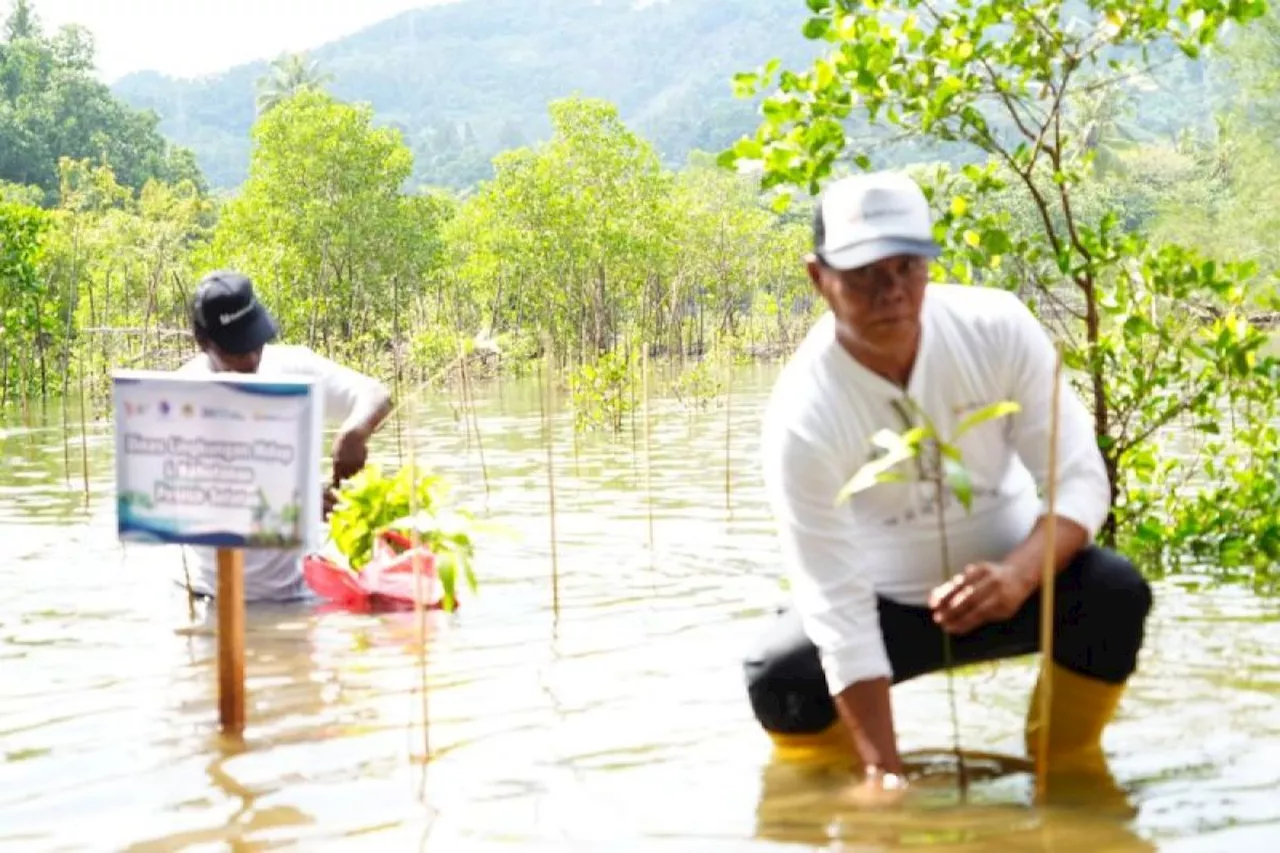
[(806, 803), (623, 725)]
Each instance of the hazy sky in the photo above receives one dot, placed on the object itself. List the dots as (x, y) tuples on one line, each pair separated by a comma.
[(192, 37)]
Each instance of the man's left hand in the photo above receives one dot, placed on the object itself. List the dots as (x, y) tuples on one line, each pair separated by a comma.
[(981, 594), (350, 452)]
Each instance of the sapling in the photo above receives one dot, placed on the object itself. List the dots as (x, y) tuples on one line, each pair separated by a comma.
[(410, 502), (945, 470)]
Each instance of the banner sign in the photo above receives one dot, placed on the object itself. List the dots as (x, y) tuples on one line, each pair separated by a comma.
[(224, 460)]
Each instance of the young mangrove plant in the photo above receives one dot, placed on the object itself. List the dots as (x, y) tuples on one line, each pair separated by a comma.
[(940, 464), (602, 392), (414, 504), (697, 387)]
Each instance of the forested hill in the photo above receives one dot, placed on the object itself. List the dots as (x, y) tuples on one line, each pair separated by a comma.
[(467, 79)]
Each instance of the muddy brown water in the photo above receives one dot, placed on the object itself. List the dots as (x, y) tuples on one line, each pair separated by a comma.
[(622, 725)]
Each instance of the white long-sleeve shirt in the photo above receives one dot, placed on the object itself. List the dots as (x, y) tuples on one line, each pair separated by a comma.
[(276, 575), (978, 346)]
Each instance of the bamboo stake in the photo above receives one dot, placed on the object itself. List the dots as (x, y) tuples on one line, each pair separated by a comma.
[(469, 405), (1047, 590), (547, 399), (648, 451), (397, 365), (728, 440), (575, 368), (66, 374), (84, 431), (631, 392), (66, 433), (419, 605)]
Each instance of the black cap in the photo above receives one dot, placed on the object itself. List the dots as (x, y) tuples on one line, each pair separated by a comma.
[(227, 312)]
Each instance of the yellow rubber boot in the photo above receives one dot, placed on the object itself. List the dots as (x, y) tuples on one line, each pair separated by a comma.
[(832, 746), (1080, 708)]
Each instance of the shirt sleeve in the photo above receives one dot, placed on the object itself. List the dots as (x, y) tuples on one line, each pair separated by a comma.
[(344, 389), (832, 595), (1083, 489)]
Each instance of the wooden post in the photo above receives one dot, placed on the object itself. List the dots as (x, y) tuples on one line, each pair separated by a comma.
[(1047, 581), (230, 606)]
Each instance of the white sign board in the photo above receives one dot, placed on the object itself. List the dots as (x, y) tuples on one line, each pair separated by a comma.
[(224, 460)]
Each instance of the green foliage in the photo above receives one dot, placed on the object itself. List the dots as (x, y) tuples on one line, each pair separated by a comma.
[(603, 392), (21, 194), (588, 239), (896, 448), (369, 502), (697, 386), (52, 106), (290, 74), (448, 535), (408, 502), (1157, 333), (322, 227), (28, 312)]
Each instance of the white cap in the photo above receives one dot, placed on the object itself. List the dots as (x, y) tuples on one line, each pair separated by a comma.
[(864, 218)]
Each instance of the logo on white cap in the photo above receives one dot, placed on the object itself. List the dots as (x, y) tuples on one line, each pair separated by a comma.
[(870, 216)]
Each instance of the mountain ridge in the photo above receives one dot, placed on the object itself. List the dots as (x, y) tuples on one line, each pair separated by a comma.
[(463, 80), (494, 66)]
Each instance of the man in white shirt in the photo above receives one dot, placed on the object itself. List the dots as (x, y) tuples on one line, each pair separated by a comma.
[(869, 601), (235, 332)]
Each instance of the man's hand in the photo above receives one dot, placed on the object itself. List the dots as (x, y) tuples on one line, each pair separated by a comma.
[(877, 790), (350, 452), (330, 500), (981, 594)]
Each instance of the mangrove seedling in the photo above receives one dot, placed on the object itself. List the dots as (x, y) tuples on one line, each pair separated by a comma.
[(940, 463), (603, 392), (447, 533), (410, 503)]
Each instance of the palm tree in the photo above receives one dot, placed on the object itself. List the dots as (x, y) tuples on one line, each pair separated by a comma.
[(290, 74)]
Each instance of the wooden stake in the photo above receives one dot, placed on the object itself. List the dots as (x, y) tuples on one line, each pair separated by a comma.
[(1046, 591), (230, 606), (469, 411), (728, 439), (420, 610), (548, 408), (648, 451)]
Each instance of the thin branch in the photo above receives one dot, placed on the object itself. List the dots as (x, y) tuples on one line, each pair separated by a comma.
[(1059, 92), (1183, 405)]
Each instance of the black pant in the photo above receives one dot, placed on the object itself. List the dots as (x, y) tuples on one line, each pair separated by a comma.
[(1101, 604)]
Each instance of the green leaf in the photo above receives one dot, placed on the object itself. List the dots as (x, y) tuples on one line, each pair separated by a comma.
[(987, 413), (957, 478), (816, 28), (874, 472), (887, 439)]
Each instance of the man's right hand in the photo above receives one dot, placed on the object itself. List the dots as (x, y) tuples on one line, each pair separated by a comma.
[(330, 500)]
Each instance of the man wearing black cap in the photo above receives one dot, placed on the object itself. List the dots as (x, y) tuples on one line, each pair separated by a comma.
[(235, 333), (869, 602)]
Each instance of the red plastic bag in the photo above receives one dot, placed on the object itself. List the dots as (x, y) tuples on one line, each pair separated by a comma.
[(386, 582)]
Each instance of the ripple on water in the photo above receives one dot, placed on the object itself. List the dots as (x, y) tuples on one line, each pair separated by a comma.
[(623, 724)]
